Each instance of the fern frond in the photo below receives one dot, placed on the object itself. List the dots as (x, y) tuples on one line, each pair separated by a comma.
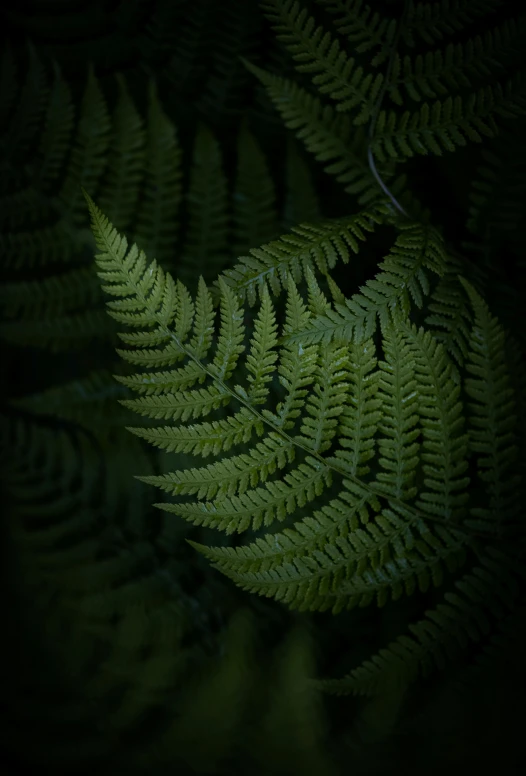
[(338, 76), (443, 71), (449, 318), (399, 395), (365, 30), (254, 197), (206, 246), (158, 215), (361, 414), (88, 158), (356, 527), (224, 478), (437, 128), (433, 21), (325, 133), (404, 279), (492, 419), (56, 136), (126, 164), (331, 137), (20, 134), (53, 313), (485, 592), (444, 445), (317, 246), (339, 558)]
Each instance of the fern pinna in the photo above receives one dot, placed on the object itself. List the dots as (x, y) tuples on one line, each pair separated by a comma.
[(380, 465), (388, 89)]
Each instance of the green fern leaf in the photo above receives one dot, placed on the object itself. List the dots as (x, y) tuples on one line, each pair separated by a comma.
[(403, 280), (317, 52), (433, 21), (157, 225), (490, 588), (56, 136), (205, 248), (89, 154), (365, 30), (318, 245), (493, 419), (120, 191), (457, 66), (254, 207), (445, 446), (326, 134)]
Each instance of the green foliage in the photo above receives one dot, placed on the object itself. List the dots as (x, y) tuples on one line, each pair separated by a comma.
[(301, 318), (383, 532), (135, 167), (421, 104)]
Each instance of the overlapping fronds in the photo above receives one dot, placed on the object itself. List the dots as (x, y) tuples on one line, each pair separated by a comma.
[(404, 280), (135, 166), (363, 460), (336, 74), (315, 246), (405, 104)]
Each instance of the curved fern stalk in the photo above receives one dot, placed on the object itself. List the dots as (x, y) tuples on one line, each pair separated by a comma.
[(325, 133), (331, 137), (441, 126), (404, 279)]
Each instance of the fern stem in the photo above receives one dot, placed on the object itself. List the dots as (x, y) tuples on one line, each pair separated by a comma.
[(98, 221), (376, 111), (291, 440)]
